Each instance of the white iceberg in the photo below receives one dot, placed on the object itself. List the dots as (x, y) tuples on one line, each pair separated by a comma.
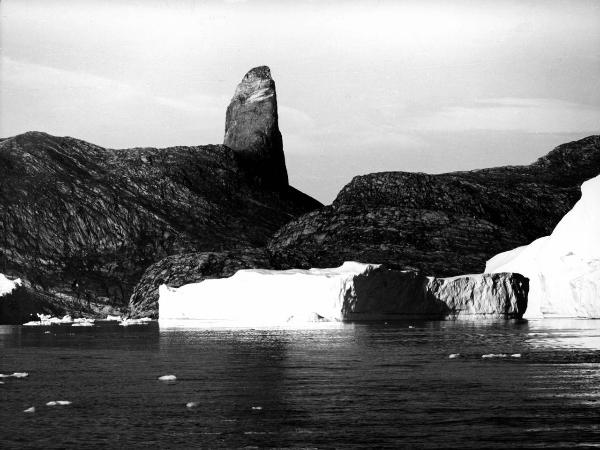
[(354, 291), (167, 378), (7, 285), (110, 318), (46, 320), (141, 321), (58, 403), (563, 268)]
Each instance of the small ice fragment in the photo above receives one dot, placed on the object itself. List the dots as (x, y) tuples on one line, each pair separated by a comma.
[(494, 355), (453, 355), (4, 376), (256, 408), (167, 378), (58, 403), (142, 321), (83, 324), (515, 355), (410, 326), (191, 405), (30, 410), (20, 374), (1, 382), (46, 332), (113, 318)]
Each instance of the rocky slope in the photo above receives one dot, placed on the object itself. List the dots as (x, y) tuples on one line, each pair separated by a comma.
[(353, 291), (443, 225), (81, 222)]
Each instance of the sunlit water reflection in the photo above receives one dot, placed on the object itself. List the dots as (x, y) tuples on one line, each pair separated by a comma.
[(372, 384)]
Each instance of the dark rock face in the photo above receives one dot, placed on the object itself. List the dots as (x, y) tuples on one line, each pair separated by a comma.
[(178, 270), (442, 225), (83, 222), (252, 129)]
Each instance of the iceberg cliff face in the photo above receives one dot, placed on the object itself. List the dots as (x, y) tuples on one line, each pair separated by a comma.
[(563, 268), (353, 291)]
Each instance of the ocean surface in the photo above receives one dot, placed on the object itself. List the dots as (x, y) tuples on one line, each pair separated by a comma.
[(352, 385)]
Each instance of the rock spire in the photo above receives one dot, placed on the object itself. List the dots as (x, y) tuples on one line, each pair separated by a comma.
[(252, 130)]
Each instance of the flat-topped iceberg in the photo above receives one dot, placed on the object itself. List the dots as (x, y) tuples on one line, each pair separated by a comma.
[(563, 268), (354, 291)]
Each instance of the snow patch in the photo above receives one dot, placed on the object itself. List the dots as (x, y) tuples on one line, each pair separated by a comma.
[(7, 285)]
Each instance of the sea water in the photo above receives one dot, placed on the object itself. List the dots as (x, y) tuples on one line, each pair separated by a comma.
[(362, 384)]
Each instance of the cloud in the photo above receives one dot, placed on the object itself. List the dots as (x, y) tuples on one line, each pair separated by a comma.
[(531, 115), (107, 111)]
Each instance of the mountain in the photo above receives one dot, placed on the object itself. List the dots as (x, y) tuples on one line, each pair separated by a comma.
[(79, 223), (442, 225)]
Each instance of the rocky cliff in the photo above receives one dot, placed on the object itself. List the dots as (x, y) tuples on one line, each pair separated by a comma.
[(82, 222), (443, 225), (252, 128)]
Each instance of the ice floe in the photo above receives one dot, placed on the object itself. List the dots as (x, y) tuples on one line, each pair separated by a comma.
[(58, 403), (29, 410), (46, 320), (167, 378), (128, 322)]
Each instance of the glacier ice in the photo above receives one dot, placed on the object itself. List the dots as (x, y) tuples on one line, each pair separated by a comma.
[(354, 291), (563, 268)]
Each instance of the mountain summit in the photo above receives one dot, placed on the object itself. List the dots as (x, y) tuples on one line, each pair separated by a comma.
[(252, 129)]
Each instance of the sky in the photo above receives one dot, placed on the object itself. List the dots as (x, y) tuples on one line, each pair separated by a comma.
[(362, 86)]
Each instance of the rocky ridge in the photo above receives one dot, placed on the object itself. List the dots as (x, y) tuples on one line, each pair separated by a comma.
[(442, 225)]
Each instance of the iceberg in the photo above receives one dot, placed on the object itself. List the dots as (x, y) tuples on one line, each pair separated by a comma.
[(563, 268), (353, 291)]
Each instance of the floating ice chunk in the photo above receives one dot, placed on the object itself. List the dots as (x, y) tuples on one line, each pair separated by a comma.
[(167, 378), (20, 375), (29, 410), (83, 320), (453, 355), (2, 375), (1, 382), (83, 324), (191, 405), (128, 322), (36, 323), (494, 355), (256, 408), (58, 403), (515, 355), (110, 318)]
